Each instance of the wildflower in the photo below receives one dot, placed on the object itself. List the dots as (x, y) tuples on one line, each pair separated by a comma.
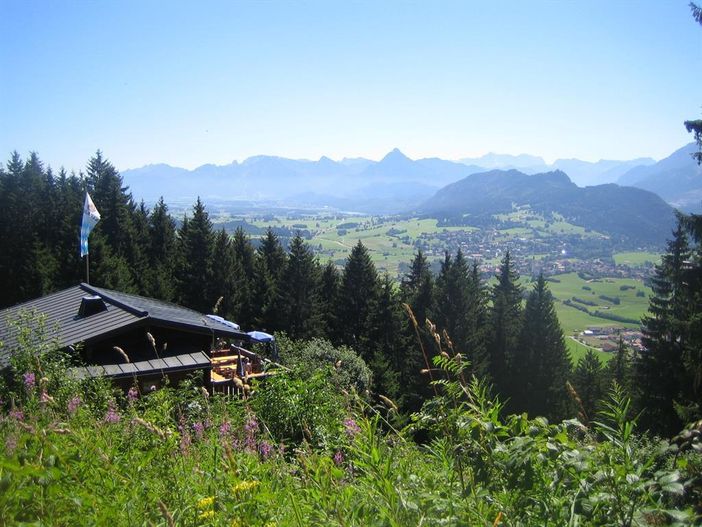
[(45, 398), (74, 404), (245, 486), (265, 449), (352, 428), (205, 503), (10, 444), (339, 458), (207, 515), (251, 425), (29, 380), (16, 414), (199, 429), (112, 416), (132, 394), (236, 523), (185, 439), (224, 429)]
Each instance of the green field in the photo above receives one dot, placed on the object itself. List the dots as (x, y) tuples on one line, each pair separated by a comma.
[(635, 259)]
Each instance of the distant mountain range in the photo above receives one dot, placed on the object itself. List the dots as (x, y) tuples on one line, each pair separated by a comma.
[(396, 183), (677, 179), (628, 214)]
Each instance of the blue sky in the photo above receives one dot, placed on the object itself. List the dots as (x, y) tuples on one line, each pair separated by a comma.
[(188, 83)]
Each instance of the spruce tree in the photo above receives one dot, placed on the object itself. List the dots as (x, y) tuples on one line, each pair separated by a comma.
[(298, 300), (505, 325), (196, 238), (328, 298), (162, 253), (659, 370), (358, 298), (244, 273), (541, 363), (589, 380), (223, 278), (269, 268)]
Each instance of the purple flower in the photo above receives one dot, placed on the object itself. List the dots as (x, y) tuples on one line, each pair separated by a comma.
[(74, 404), (199, 429), (251, 426), (265, 449), (29, 380), (45, 398), (224, 429), (10, 444), (185, 439), (112, 416), (339, 458), (16, 414), (132, 394), (352, 428)]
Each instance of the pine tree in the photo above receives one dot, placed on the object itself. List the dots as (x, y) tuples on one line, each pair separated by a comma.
[(162, 253), (589, 381), (223, 278), (659, 370), (328, 298), (196, 238), (476, 324), (541, 359), (619, 367), (246, 305), (298, 298), (505, 325), (358, 298), (417, 290), (270, 265)]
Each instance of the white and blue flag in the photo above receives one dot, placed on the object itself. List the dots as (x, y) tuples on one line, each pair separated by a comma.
[(90, 218)]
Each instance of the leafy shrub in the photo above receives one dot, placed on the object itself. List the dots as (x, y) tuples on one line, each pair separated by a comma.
[(345, 368)]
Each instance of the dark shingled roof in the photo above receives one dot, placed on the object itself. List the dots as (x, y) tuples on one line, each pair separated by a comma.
[(63, 324)]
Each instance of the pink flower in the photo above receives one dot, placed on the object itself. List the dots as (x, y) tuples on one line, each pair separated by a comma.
[(352, 428), (74, 404), (112, 416), (132, 394), (339, 458), (265, 449), (16, 414), (29, 380), (199, 429), (224, 429), (45, 398)]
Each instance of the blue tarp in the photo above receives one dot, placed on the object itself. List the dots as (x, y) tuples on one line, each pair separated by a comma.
[(260, 336), (221, 320)]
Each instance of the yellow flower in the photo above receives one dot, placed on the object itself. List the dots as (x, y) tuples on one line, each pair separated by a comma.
[(236, 523), (244, 486), (205, 503), (206, 515), (271, 524)]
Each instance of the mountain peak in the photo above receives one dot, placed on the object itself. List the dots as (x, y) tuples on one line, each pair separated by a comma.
[(395, 155)]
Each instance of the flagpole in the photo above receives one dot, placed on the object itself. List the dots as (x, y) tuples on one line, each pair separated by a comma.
[(87, 268)]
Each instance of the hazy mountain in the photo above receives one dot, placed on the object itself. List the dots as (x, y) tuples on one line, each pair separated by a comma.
[(627, 213), (392, 184), (582, 173), (677, 179), (524, 162)]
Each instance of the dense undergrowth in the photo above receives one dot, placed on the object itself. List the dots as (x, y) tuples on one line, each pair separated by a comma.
[(303, 451)]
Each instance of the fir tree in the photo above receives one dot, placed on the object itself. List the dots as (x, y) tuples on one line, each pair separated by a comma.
[(298, 298), (244, 272), (358, 297), (659, 370), (589, 381), (328, 298), (162, 253), (270, 265), (196, 238), (505, 325), (541, 359)]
